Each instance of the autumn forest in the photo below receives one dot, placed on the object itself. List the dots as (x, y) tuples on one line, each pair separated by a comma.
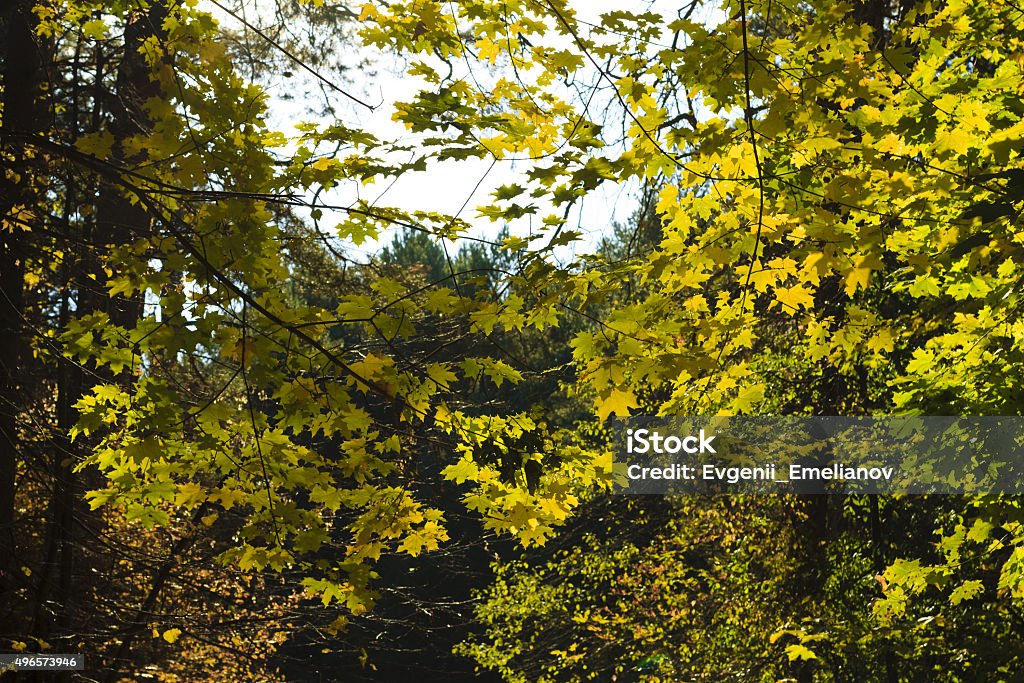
[(316, 317)]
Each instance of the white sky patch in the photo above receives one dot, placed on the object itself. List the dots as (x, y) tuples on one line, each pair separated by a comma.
[(452, 187)]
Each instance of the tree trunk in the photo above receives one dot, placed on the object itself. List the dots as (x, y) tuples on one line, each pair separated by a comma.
[(120, 222), (21, 82)]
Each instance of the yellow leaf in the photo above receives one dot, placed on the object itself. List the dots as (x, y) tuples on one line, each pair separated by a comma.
[(189, 495), (881, 340), (98, 144), (487, 49), (795, 298), (798, 651), (324, 163), (891, 143), (816, 265), (95, 28), (171, 634), (956, 140), (860, 274), (616, 401), (747, 397)]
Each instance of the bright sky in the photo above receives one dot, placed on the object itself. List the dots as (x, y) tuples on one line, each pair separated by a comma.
[(457, 187)]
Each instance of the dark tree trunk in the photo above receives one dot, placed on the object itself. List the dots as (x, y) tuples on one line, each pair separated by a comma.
[(21, 84), (121, 222)]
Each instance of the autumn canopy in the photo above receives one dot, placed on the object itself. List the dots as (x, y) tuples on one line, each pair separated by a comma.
[(246, 392)]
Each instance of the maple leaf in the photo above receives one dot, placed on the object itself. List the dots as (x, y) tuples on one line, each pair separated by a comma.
[(859, 276), (616, 401)]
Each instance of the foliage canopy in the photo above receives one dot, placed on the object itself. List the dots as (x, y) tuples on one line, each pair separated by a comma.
[(830, 226)]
